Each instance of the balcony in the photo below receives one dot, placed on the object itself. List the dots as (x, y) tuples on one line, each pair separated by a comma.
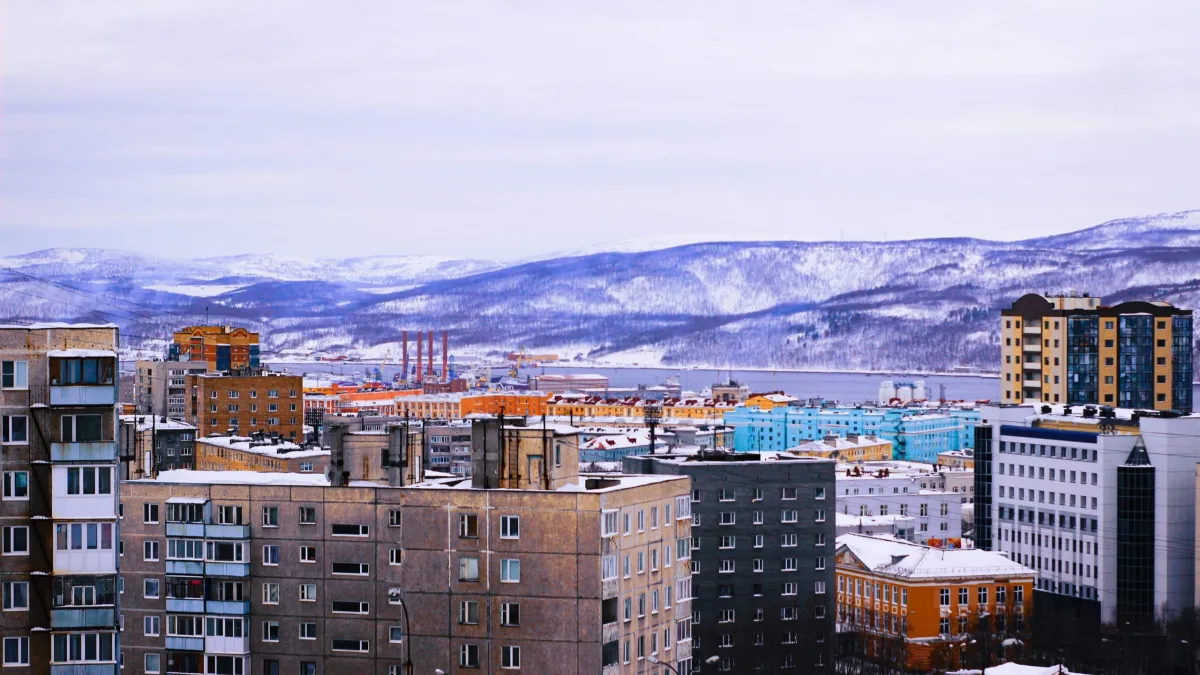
[(610, 632), (186, 568), (185, 606), (91, 451), (84, 669), (192, 530), (227, 569), (83, 394), (1032, 328), (1034, 346), (236, 607), (185, 644), (227, 531), (83, 617), (227, 645)]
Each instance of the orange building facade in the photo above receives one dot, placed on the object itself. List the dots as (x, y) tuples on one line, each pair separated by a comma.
[(929, 608), (224, 348)]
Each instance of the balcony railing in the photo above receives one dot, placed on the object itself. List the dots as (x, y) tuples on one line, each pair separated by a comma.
[(194, 530), (83, 394), (84, 669), (185, 606), (237, 607), (227, 531), (185, 644), (90, 451), (188, 568), (227, 569), (83, 617)]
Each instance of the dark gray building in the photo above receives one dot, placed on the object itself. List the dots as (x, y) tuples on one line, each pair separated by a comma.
[(152, 443), (763, 531)]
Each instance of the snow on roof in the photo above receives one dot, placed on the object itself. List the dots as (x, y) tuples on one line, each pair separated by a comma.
[(839, 443), (145, 422), (244, 444), (899, 558), (1018, 669), (847, 520), (190, 477), (82, 353), (187, 500)]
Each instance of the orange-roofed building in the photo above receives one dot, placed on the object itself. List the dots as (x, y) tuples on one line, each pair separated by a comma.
[(505, 402)]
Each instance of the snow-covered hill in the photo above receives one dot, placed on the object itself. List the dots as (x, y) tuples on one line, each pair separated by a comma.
[(926, 304)]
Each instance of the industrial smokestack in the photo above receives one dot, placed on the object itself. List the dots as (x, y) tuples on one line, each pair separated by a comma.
[(420, 364), (404, 352), (445, 356), (430, 371)]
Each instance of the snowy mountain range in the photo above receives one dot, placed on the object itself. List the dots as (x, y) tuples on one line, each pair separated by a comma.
[(921, 305)]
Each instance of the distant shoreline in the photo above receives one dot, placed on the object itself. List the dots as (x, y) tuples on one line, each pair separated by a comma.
[(598, 366)]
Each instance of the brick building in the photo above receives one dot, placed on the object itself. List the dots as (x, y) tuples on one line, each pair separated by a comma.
[(223, 348), (242, 404), (258, 453)]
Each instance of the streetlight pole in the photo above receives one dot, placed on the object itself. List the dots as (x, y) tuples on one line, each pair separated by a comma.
[(395, 594)]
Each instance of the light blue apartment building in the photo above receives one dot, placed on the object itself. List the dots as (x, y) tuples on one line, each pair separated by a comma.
[(916, 434)]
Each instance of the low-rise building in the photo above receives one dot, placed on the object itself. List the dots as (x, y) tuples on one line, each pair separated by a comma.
[(868, 491), (852, 448), (957, 459), (555, 383), (894, 525), (923, 608), (245, 403), (258, 453), (223, 348)]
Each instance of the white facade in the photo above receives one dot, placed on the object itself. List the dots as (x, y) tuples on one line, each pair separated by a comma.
[(936, 514), (1054, 503)]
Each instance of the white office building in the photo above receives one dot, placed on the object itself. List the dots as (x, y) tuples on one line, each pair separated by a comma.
[(1103, 507)]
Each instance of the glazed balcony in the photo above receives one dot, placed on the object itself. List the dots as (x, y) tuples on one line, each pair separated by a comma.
[(227, 531), (84, 669), (185, 606), (90, 451), (63, 618), (229, 607), (185, 644), (76, 395), (188, 530)]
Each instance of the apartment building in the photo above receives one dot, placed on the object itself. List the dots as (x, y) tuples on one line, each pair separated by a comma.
[(852, 448), (925, 608), (869, 491), (1073, 349), (1107, 519), (222, 348), (762, 562), (160, 387), (448, 447), (58, 507), (279, 573), (150, 443), (243, 403), (258, 453)]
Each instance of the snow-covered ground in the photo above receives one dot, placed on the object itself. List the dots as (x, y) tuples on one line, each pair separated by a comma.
[(196, 290)]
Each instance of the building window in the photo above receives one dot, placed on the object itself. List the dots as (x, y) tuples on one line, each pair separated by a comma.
[(344, 530), (151, 589), (16, 485), (395, 556), (270, 515), (468, 612), (308, 554), (270, 594), (270, 631), (150, 551), (308, 515), (468, 569), (15, 540), (468, 656), (308, 631), (943, 595), (153, 664), (510, 570), (510, 527), (468, 526), (395, 634), (15, 429), (510, 614), (16, 596)]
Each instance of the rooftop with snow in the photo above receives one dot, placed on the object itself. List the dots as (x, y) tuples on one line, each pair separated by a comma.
[(890, 556), (273, 448)]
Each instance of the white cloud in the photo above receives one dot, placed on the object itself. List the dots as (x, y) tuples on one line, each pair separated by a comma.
[(509, 129)]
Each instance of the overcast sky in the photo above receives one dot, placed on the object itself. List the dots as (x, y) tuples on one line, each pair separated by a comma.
[(509, 129)]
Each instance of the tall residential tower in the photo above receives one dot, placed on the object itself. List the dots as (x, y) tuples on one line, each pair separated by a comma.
[(1073, 349), (58, 509)]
